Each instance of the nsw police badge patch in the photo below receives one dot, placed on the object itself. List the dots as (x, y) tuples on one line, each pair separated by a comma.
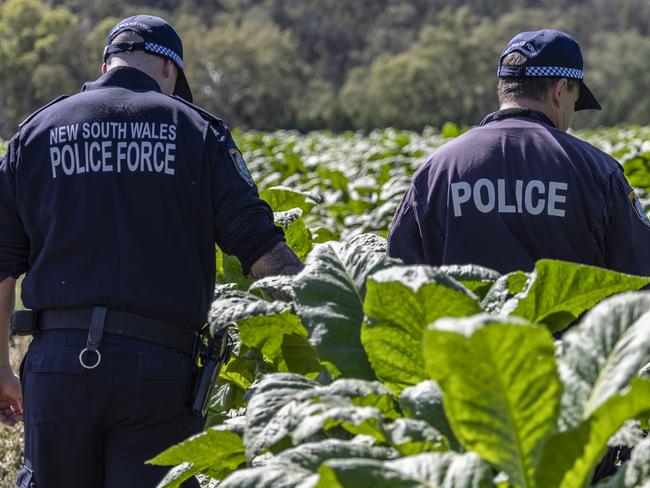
[(240, 165), (638, 208)]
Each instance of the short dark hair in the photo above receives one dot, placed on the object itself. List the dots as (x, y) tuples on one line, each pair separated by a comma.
[(533, 88), (125, 36)]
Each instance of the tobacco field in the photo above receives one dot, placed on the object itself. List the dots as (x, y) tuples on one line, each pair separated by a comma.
[(370, 373)]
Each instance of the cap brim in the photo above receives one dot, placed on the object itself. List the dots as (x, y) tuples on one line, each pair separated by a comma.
[(586, 100), (182, 88)]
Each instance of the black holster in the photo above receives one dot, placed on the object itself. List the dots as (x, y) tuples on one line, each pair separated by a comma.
[(211, 354)]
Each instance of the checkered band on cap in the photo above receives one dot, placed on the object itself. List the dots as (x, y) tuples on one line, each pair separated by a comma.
[(164, 51), (555, 71)]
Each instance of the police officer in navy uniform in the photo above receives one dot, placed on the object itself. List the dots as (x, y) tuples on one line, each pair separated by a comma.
[(111, 202), (518, 187)]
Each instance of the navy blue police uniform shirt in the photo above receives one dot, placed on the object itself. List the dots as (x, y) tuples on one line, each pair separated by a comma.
[(515, 190), (117, 195)]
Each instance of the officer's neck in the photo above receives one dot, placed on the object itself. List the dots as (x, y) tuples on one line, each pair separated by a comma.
[(536, 105)]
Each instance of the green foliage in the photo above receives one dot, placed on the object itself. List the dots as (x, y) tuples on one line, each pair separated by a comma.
[(570, 457), (329, 299), (464, 394), (400, 302), (266, 64), (494, 409), (215, 452), (577, 289)]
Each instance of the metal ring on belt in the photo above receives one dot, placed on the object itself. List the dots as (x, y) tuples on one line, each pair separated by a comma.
[(121, 323)]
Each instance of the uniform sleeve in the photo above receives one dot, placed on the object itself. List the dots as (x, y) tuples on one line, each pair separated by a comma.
[(627, 238), (412, 237), (14, 243), (243, 221)]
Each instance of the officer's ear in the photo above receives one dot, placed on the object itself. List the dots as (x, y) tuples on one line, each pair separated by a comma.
[(104, 68), (169, 70), (557, 91)]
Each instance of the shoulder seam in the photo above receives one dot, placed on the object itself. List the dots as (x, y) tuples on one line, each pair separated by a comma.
[(204, 113), (35, 113)]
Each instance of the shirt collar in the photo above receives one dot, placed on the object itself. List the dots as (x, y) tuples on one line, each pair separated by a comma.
[(517, 112), (123, 77)]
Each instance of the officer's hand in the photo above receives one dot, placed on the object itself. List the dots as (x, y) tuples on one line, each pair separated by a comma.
[(11, 398)]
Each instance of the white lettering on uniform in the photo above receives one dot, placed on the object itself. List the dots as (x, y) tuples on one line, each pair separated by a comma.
[(55, 159), (530, 208), (459, 198), (95, 164), (111, 147), (121, 155), (133, 162), (478, 186), (67, 150), (554, 198), (529, 197), (519, 195), (501, 191), (169, 158)]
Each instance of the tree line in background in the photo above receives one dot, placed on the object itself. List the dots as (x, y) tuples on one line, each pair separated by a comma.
[(335, 64)]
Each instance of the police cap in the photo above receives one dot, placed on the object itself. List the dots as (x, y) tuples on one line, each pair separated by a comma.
[(159, 38), (550, 53)]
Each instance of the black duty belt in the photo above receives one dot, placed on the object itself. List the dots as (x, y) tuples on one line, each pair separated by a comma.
[(28, 322)]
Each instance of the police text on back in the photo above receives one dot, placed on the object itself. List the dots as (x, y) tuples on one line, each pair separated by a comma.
[(531, 197), (112, 147)]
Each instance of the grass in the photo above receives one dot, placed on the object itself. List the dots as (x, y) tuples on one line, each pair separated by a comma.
[(11, 438)]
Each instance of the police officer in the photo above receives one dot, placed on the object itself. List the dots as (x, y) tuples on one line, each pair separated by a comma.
[(518, 187), (111, 202)]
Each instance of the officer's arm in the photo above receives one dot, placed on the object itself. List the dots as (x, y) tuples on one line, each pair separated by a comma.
[(244, 225), (281, 260), (627, 229), (7, 303), (405, 238), (14, 245)]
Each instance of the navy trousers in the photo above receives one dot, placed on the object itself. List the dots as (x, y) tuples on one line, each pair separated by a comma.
[(96, 428)]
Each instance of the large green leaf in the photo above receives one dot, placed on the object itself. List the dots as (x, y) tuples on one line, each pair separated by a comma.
[(271, 412), (365, 473), (447, 470), (475, 278), (229, 270), (297, 235), (503, 289), (282, 198), (430, 470), (424, 402), (278, 475), (281, 403), (214, 452), (282, 339), (411, 436), (400, 302), (278, 286), (570, 458), (338, 412), (234, 305), (501, 388), (329, 296), (293, 467), (560, 291), (311, 455), (603, 354)]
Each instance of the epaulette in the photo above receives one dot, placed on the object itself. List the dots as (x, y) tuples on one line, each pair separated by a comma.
[(204, 113), (34, 114)]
